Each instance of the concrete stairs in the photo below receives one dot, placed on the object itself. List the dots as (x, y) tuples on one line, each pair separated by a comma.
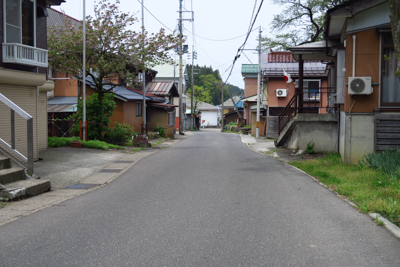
[(286, 132), (14, 182)]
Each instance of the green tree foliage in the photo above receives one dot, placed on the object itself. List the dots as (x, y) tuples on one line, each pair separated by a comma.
[(211, 80), (97, 115), (113, 50), (200, 95), (300, 22)]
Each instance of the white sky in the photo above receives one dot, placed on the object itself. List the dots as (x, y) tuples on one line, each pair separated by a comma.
[(213, 19)]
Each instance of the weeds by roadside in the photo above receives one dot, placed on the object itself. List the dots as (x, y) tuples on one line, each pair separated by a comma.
[(371, 190)]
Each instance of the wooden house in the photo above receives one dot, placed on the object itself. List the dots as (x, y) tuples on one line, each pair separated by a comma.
[(357, 43)]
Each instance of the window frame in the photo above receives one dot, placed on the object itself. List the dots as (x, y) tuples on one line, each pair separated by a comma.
[(305, 89), (139, 109), (383, 47), (20, 21)]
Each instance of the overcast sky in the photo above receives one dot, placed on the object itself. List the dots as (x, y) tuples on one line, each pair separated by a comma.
[(220, 27)]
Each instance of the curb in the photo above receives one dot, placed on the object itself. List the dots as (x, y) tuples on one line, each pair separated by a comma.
[(28, 206), (392, 228), (388, 224)]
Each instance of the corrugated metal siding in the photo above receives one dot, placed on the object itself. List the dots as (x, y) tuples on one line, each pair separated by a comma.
[(377, 15), (160, 88), (26, 98), (367, 65), (42, 120)]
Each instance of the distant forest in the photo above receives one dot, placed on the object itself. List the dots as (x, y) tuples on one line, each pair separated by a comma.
[(211, 81)]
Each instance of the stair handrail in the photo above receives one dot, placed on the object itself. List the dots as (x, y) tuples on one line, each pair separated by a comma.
[(287, 113), (29, 123)]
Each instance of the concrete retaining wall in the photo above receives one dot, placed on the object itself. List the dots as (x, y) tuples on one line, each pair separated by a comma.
[(359, 129)]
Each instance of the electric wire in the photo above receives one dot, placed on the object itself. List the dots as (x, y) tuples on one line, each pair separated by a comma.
[(155, 17), (224, 40), (245, 41)]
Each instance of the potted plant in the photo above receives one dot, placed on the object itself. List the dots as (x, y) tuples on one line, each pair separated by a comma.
[(76, 144)]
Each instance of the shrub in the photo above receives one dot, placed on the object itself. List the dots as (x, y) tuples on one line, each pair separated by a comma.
[(310, 147), (58, 141), (119, 134), (387, 162), (97, 115), (160, 131), (99, 145)]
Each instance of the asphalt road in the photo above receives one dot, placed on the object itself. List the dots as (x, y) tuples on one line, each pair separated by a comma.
[(207, 200)]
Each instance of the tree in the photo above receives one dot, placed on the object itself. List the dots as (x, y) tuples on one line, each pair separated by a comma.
[(395, 24), (200, 95), (113, 50), (300, 22), (99, 121), (215, 91)]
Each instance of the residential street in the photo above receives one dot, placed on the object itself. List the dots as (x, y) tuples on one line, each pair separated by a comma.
[(207, 200)]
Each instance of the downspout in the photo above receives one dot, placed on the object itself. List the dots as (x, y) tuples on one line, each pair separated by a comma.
[(355, 99)]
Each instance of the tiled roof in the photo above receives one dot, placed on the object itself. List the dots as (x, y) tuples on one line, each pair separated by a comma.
[(280, 56), (249, 68), (122, 92)]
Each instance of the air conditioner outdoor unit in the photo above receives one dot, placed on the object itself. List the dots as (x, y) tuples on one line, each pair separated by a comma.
[(281, 92), (360, 86)]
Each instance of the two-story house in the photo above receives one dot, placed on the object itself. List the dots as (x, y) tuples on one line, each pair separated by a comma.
[(358, 44), (23, 76)]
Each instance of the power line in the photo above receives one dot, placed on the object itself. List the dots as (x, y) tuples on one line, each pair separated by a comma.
[(155, 17), (224, 40), (245, 41)]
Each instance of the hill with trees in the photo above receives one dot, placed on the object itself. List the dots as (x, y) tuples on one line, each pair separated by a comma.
[(209, 82)]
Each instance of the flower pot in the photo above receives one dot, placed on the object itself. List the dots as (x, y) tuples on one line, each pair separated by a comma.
[(76, 144)]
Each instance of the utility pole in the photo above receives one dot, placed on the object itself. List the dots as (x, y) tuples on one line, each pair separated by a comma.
[(143, 79), (180, 71), (193, 55), (84, 74), (258, 85), (222, 106)]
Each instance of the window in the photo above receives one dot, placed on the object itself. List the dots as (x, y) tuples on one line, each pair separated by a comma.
[(390, 82), (19, 21), (171, 118), (310, 89), (139, 109)]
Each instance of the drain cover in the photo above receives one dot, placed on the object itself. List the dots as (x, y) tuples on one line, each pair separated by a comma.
[(111, 170), (81, 186), (124, 161)]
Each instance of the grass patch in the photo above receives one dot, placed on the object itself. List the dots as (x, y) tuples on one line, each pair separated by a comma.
[(66, 141), (371, 190), (272, 151), (138, 149)]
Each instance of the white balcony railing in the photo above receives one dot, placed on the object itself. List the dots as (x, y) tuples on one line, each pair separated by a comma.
[(25, 55)]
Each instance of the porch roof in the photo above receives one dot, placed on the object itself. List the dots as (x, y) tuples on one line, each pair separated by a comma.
[(313, 51), (162, 105)]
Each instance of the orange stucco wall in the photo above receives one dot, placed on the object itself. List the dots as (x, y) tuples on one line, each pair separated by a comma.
[(279, 83), (273, 85)]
